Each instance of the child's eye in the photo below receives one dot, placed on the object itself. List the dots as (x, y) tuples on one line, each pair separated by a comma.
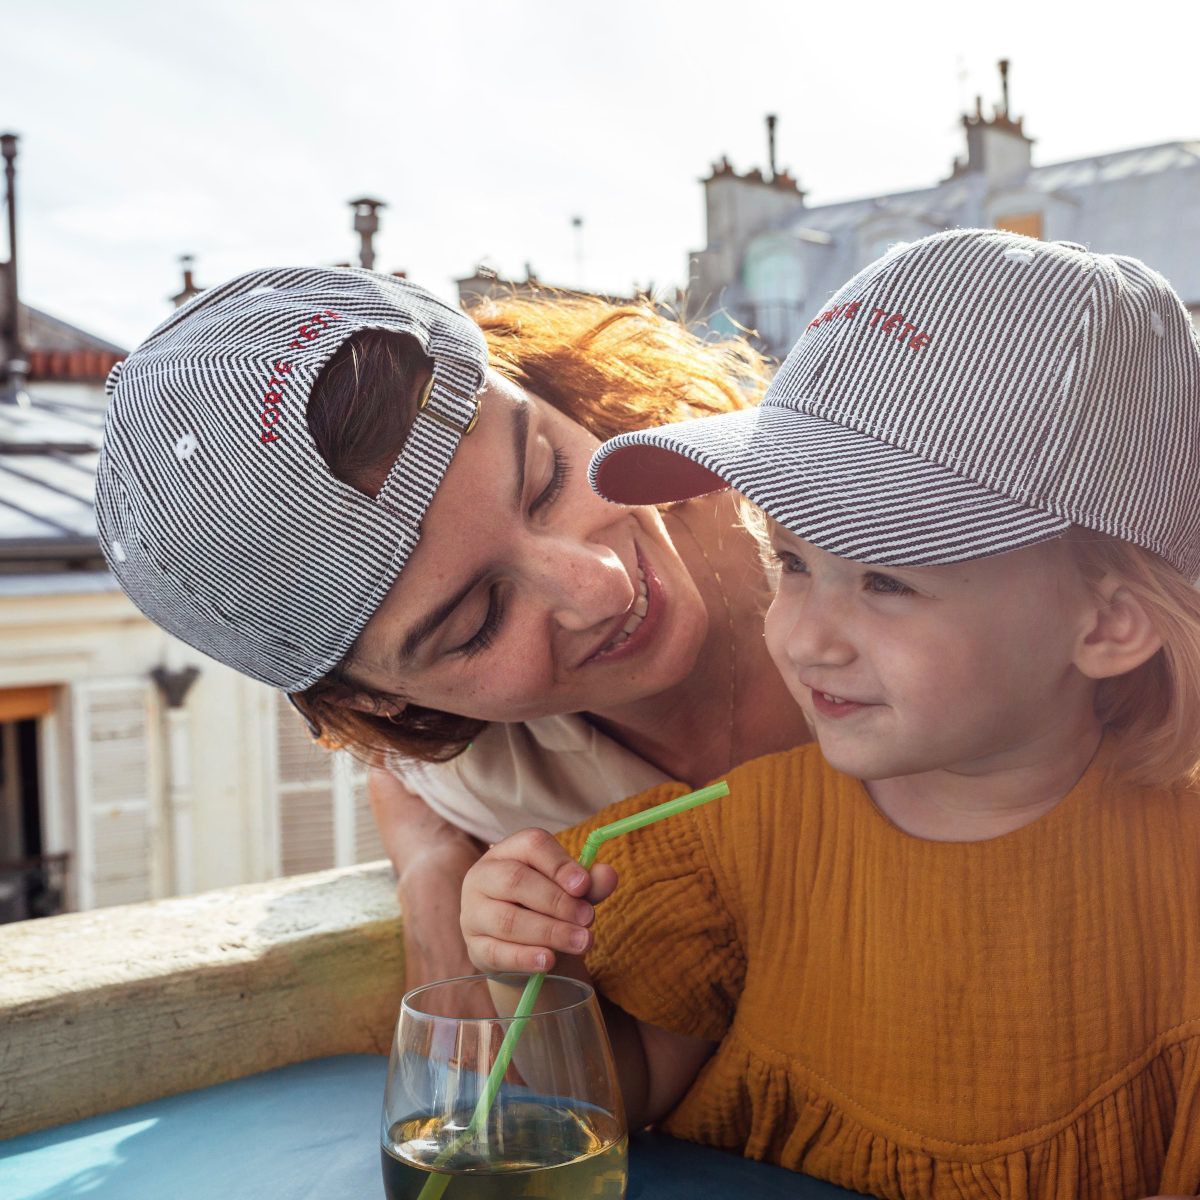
[(885, 585), (788, 563)]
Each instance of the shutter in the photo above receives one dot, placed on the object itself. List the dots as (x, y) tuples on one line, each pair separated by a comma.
[(117, 792), (324, 816), (368, 845), (305, 784)]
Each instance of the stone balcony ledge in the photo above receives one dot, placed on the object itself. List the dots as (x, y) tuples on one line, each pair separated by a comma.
[(117, 1006)]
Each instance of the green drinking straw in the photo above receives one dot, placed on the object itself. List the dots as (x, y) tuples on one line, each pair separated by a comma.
[(435, 1185)]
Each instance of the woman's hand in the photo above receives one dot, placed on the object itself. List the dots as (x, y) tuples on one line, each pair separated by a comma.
[(431, 857), (527, 899)]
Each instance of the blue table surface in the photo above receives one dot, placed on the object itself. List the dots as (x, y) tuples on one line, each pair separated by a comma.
[(307, 1132)]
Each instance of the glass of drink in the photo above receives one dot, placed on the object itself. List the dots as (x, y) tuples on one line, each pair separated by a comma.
[(554, 1127)]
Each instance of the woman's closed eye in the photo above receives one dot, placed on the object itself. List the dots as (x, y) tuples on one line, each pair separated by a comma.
[(485, 635), (560, 470)]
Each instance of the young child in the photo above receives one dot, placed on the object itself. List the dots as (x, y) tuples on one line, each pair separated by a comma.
[(953, 950)]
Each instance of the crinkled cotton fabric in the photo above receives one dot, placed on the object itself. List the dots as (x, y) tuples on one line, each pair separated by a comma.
[(1014, 1017)]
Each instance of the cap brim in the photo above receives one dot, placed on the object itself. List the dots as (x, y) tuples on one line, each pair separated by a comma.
[(850, 494)]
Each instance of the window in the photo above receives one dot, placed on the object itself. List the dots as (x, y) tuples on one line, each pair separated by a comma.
[(32, 882), (1030, 224), (773, 276)]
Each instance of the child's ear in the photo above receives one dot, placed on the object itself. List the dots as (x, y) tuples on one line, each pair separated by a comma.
[(365, 702), (1119, 636)]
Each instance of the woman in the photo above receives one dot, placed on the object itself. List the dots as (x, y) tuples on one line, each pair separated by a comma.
[(407, 543)]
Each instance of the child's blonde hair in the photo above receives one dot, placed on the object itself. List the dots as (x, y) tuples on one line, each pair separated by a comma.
[(1153, 712)]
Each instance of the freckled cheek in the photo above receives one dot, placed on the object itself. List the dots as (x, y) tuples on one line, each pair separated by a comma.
[(509, 685)]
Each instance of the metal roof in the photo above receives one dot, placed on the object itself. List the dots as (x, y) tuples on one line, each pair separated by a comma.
[(48, 453), (1143, 202)]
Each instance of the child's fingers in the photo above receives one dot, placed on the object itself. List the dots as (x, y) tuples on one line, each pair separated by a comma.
[(539, 850), (524, 901), (511, 882), (604, 882), (494, 956), (513, 923)]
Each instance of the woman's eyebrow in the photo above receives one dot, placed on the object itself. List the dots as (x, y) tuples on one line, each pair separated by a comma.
[(432, 620), (520, 435)]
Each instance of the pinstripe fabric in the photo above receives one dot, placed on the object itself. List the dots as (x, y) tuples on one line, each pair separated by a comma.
[(1027, 386), (246, 546)]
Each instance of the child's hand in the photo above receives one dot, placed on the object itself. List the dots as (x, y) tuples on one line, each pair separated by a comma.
[(526, 898)]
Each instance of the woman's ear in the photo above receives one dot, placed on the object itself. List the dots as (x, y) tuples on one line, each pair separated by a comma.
[(1119, 636), (371, 703)]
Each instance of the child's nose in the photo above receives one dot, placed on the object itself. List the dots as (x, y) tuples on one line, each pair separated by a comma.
[(816, 635)]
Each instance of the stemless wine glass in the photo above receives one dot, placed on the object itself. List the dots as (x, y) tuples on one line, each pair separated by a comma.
[(556, 1126)]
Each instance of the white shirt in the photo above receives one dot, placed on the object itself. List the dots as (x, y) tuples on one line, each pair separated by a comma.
[(551, 773)]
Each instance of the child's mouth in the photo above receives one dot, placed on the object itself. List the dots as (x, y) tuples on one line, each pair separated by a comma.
[(835, 706)]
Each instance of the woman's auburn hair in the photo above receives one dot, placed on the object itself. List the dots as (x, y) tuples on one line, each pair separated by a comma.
[(610, 368)]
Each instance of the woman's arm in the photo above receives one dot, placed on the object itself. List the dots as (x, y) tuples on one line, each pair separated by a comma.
[(527, 906), (431, 858)]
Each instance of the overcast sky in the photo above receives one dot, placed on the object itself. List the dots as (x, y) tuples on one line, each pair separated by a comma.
[(237, 131)]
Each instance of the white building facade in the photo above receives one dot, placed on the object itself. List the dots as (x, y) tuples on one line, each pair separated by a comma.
[(131, 766), (771, 260)]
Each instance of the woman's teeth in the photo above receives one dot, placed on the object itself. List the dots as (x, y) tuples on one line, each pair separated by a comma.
[(636, 613), (833, 699)]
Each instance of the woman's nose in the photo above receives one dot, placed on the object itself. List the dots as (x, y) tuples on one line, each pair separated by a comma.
[(585, 583)]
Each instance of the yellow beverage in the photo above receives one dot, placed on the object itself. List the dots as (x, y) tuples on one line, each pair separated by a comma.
[(531, 1150)]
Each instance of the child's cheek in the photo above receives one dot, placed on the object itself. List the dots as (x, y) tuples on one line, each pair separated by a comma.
[(781, 617)]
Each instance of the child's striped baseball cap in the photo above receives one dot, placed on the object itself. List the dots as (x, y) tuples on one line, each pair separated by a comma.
[(966, 394)]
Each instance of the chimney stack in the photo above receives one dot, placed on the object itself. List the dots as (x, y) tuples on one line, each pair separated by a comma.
[(1003, 64), (771, 144), (189, 288), (366, 225), (13, 367)]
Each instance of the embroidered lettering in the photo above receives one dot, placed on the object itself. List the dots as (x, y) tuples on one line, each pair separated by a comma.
[(893, 324), (273, 393)]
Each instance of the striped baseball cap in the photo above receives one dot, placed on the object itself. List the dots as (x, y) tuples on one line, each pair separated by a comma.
[(214, 508), (966, 394)]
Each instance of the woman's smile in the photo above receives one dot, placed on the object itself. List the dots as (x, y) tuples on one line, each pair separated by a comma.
[(531, 594), (640, 624)]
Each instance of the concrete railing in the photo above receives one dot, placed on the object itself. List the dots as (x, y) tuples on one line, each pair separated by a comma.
[(104, 1009)]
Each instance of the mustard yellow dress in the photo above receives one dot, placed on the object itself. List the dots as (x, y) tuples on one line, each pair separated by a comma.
[(1018, 1017)]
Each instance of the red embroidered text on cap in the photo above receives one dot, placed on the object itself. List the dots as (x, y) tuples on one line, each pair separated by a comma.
[(893, 324)]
